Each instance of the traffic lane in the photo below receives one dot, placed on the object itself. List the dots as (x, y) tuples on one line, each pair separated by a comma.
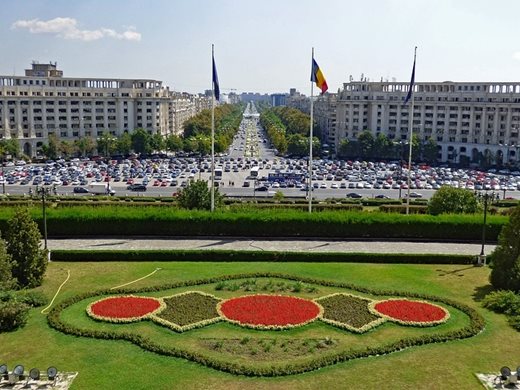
[(233, 186)]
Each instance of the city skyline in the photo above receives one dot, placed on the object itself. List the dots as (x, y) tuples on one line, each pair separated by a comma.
[(264, 47)]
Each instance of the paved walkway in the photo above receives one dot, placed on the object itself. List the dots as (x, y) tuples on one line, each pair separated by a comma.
[(296, 245)]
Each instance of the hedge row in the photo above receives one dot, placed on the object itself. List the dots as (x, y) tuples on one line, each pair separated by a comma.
[(252, 222), (476, 325), (256, 256)]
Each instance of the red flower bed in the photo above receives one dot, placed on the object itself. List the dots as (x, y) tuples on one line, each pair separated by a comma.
[(269, 311), (124, 308), (412, 312)]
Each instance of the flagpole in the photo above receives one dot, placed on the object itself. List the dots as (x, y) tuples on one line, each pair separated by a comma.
[(310, 142), (212, 133), (411, 137)]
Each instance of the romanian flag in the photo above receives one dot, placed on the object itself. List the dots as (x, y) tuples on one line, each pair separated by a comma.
[(318, 78)]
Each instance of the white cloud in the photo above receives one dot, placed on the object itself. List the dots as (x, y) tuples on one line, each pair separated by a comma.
[(516, 55), (67, 28)]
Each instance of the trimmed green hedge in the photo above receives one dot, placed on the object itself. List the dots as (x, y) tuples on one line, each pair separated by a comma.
[(257, 256), (118, 220), (475, 326)]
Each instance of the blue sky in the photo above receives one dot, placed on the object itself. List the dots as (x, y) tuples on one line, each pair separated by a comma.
[(264, 45)]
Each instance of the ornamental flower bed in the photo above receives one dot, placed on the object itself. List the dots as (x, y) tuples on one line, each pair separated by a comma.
[(349, 312), (188, 310), (289, 364), (269, 311), (128, 308), (408, 312)]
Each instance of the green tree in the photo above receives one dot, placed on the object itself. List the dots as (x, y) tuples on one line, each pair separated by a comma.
[(9, 147), (124, 144), (6, 279), (51, 148), (278, 196), (197, 195), (416, 148), (366, 144), (84, 146), (141, 141), (452, 200), (65, 148), (505, 273), (191, 144), (383, 147), (297, 145), (106, 144), (174, 143), (157, 142), (23, 238), (430, 151), (204, 144), (343, 148)]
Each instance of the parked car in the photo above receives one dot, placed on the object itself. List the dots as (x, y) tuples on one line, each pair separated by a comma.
[(80, 190), (136, 187)]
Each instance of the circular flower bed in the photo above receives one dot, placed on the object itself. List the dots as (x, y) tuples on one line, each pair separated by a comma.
[(409, 312), (123, 308), (269, 311)]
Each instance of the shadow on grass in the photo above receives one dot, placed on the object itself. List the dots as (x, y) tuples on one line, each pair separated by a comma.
[(453, 272), (481, 291)]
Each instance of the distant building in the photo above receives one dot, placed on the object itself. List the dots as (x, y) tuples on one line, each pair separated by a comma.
[(43, 102), (278, 99), (298, 100), (254, 97), (325, 117), (467, 120)]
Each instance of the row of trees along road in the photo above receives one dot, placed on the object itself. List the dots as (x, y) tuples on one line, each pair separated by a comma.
[(368, 147), (196, 138), (288, 130)]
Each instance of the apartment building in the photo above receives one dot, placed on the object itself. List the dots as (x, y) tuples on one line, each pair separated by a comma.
[(43, 102), (465, 119)]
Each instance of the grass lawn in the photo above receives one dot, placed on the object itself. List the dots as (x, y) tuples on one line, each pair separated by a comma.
[(104, 364)]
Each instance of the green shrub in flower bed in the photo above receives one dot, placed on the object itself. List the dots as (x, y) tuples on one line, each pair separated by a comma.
[(203, 255), (254, 285), (188, 310), (465, 322), (349, 312), (264, 349)]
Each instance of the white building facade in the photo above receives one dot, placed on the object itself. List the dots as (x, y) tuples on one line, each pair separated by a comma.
[(43, 102), (465, 119)]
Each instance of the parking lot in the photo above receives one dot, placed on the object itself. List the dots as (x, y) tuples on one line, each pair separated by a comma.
[(250, 169)]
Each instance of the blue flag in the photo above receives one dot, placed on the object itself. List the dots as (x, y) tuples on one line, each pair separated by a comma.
[(216, 88), (412, 82)]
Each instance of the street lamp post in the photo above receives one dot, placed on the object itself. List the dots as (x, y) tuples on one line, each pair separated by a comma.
[(43, 192), (485, 198), (3, 174)]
